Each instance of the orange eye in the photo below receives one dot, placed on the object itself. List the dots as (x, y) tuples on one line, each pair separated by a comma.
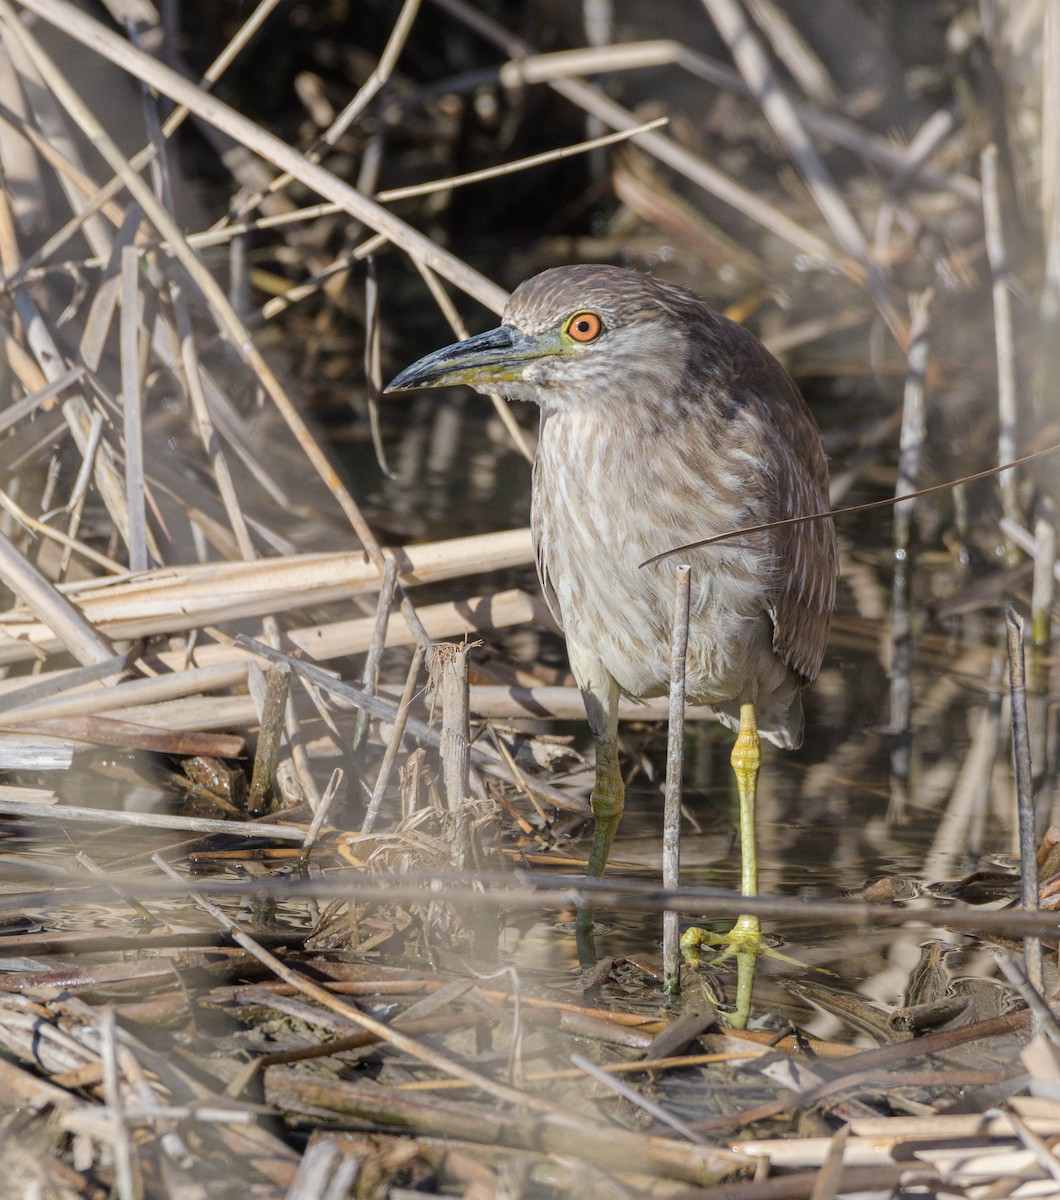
[(584, 327)]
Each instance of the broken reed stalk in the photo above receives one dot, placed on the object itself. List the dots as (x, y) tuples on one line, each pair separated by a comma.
[(1042, 1020), (499, 890), (450, 661), (394, 744), (273, 703), (675, 754), (203, 422), (321, 814), (634, 1097), (44, 599), (370, 676), (421, 730), (186, 596), (191, 692), (373, 362), (294, 777), (127, 1181), (145, 916), (562, 1136), (1021, 756)]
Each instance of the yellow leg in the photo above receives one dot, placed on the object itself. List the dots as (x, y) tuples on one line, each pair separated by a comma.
[(746, 759), (744, 939), (746, 934), (607, 801)]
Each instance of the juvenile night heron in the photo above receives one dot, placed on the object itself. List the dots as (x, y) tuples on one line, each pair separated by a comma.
[(664, 423)]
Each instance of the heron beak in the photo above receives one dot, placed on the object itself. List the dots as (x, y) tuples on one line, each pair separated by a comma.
[(498, 356)]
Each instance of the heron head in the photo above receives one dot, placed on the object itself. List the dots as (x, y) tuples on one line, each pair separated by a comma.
[(569, 336)]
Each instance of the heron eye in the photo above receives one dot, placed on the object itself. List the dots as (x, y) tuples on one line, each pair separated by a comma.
[(584, 327)]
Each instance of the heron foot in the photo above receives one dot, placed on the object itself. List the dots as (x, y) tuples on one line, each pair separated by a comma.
[(745, 937), (742, 942)]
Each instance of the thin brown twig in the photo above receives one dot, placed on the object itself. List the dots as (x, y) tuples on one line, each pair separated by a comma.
[(855, 508)]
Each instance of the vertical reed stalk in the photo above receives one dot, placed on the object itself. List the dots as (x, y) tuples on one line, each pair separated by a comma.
[(675, 754)]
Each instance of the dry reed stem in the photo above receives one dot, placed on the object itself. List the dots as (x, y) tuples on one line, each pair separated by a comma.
[(1021, 755), (757, 71), (497, 890), (128, 1180), (228, 320), (693, 167), (561, 1134), (454, 743), (375, 82), (114, 731), (132, 408), (620, 1088), (1007, 404), (225, 666), (195, 381), (269, 692), (96, 816), (793, 50), (176, 598), (60, 617), (425, 733), (83, 421), (71, 545), (519, 164), (65, 169), (90, 33), (675, 757), (370, 674), (909, 446), (40, 398), (393, 745)]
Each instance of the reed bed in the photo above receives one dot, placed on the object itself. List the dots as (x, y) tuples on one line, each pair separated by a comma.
[(292, 769)]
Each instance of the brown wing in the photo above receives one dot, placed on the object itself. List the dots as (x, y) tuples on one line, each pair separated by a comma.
[(808, 558)]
